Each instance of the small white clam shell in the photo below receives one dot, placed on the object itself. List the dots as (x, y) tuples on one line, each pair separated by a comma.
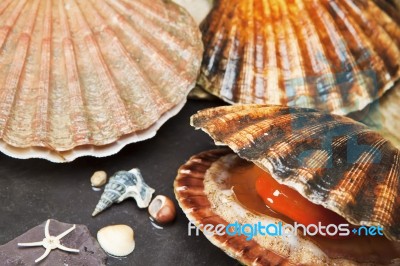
[(117, 240), (98, 179)]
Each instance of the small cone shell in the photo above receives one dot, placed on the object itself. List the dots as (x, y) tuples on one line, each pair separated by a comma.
[(106, 200), (123, 185)]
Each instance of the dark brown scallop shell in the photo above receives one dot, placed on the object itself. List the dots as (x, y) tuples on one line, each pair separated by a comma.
[(331, 160), (335, 56)]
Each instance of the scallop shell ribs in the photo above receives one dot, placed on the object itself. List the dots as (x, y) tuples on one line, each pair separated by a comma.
[(331, 160), (77, 75), (335, 56), (206, 193)]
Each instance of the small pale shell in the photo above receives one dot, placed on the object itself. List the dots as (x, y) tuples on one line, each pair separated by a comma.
[(98, 178), (117, 240)]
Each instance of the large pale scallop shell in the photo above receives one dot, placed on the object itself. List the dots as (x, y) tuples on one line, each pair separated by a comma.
[(204, 192), (331, 160), (336, 56), (199, 9), (82, 77)]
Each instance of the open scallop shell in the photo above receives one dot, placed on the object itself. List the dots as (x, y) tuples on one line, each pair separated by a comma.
[(335, 56), (331, 160), (84, 77), (205, 195)]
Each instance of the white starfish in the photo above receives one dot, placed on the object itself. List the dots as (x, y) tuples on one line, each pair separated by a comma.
[(50, 242)]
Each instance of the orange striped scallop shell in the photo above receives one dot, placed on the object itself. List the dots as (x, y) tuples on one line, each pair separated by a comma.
[(335, 56)]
